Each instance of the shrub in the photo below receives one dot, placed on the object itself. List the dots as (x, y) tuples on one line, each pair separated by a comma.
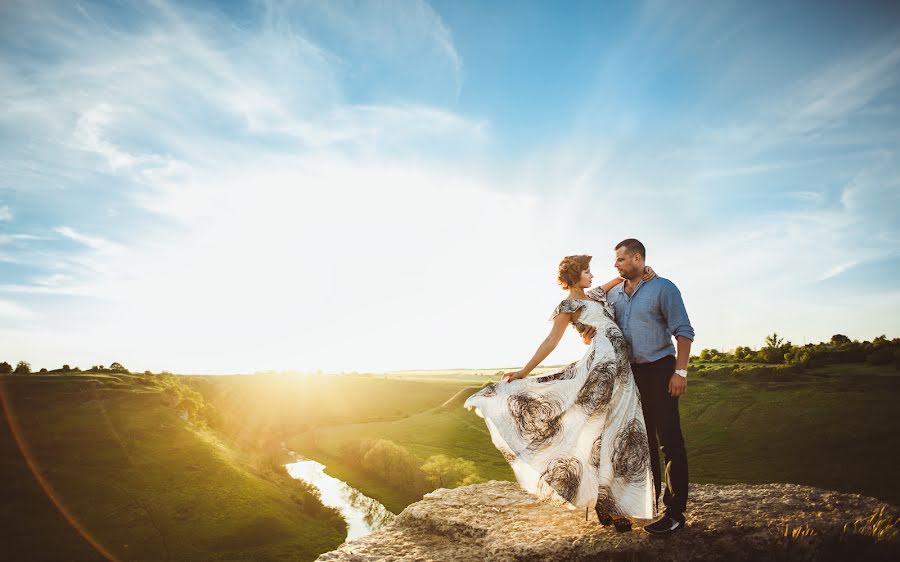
[(444, 472), (881, 357)]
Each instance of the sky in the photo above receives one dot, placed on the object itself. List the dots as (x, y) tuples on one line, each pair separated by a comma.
[(210, 187)]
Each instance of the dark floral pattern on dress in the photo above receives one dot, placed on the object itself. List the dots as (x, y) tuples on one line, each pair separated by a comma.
[(596, 448), (563, 474), (536, 417), (631, 455), (489, 390), (565, 374), (529, 421), (615, 337), (598, 295), (597, 390), (567, 306), (508, 455), (606, 503)]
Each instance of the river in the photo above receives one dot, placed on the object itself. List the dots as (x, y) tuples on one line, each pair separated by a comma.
[(363, 514)]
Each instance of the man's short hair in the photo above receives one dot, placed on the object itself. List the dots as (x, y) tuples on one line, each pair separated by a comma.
[(631, 246)]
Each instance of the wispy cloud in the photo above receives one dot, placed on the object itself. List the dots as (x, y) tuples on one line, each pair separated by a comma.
[(242, 189), (5, 213), (11, 310), (95, 243)]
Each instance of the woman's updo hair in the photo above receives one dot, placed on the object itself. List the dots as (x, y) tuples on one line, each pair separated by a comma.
[(570, 269)]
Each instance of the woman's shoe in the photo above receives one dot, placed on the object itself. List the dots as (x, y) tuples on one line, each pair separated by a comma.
[(603, 518), (622, 524)]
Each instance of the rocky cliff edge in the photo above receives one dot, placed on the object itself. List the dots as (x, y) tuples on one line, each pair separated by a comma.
[(498, 521)]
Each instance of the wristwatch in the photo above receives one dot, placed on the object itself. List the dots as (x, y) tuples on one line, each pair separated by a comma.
[(681, 373)]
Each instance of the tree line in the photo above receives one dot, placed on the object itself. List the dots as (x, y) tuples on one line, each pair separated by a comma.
[(839, 349), (24, 368), (776, 351)]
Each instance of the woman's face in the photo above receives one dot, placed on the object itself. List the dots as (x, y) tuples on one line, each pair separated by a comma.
[(586, 278)]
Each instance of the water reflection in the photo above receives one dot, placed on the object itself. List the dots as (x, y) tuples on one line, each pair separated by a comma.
[(363, 514)]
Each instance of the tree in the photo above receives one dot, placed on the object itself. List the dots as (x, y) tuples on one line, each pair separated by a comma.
[(391, 462), (743, 354), (444, 472), (5, 368), (775, 349), (117, 368), (774, 341), (797, 356), (838, 340), (43, 370), (66, 368), (22, 368)]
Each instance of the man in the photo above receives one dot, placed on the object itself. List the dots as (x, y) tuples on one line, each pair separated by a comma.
[(649, 314)]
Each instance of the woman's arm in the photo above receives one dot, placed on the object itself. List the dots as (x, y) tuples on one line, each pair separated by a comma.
[(648, 275), (610, 284), (547, 346)]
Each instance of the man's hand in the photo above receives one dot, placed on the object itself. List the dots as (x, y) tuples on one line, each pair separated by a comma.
[(677, 385), (588, 334)]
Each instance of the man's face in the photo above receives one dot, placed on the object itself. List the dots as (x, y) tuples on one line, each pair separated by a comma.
[(628, 265)]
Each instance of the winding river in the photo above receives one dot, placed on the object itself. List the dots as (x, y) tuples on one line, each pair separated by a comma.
[(363, 514)]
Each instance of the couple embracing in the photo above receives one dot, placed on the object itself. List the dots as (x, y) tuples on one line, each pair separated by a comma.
[(590, 433)]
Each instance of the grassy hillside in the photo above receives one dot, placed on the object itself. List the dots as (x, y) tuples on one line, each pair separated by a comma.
[(833, 427), (139, 480), (144, 484)]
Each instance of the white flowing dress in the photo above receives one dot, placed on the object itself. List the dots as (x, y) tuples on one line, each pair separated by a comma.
[(577, 434)]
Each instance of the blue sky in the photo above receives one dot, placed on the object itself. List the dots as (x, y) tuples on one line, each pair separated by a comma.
[(230, 187)]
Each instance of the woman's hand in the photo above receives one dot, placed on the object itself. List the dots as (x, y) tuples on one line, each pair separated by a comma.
[(648, 273), (507, 377)]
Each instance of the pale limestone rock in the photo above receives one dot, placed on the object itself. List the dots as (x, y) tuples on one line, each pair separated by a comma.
[(498, 521)]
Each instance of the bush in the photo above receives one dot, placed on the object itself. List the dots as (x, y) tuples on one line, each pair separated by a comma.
[(388, 461), (881, 357), (444, 472)]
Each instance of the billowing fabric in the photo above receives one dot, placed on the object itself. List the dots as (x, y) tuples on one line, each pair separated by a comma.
[(577, 434)]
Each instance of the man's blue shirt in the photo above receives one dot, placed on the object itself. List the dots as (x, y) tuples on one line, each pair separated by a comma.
[(650, 317)]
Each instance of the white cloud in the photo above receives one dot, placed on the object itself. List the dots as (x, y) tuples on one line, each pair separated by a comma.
[(6, 213), (100, 245), (14, 311), (300, 226)]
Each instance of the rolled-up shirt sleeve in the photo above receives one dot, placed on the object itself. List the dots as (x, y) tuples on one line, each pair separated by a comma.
[(676, 316)]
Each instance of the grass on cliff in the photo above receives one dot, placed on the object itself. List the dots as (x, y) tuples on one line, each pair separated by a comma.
[(833, 427), (139, 480)]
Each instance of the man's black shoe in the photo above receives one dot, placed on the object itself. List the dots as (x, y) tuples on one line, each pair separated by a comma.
[(665, 526)]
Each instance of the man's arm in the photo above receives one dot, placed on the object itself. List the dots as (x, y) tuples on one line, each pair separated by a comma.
[(683, 354), (679, 325)]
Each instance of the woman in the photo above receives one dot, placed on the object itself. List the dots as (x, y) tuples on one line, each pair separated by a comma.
[(577, 434)]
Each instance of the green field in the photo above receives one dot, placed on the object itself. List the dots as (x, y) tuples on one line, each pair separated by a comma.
[(831, 427), (140, 481), (145, 484)]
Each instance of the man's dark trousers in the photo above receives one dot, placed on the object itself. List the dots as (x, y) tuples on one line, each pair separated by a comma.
[(664, 426)]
